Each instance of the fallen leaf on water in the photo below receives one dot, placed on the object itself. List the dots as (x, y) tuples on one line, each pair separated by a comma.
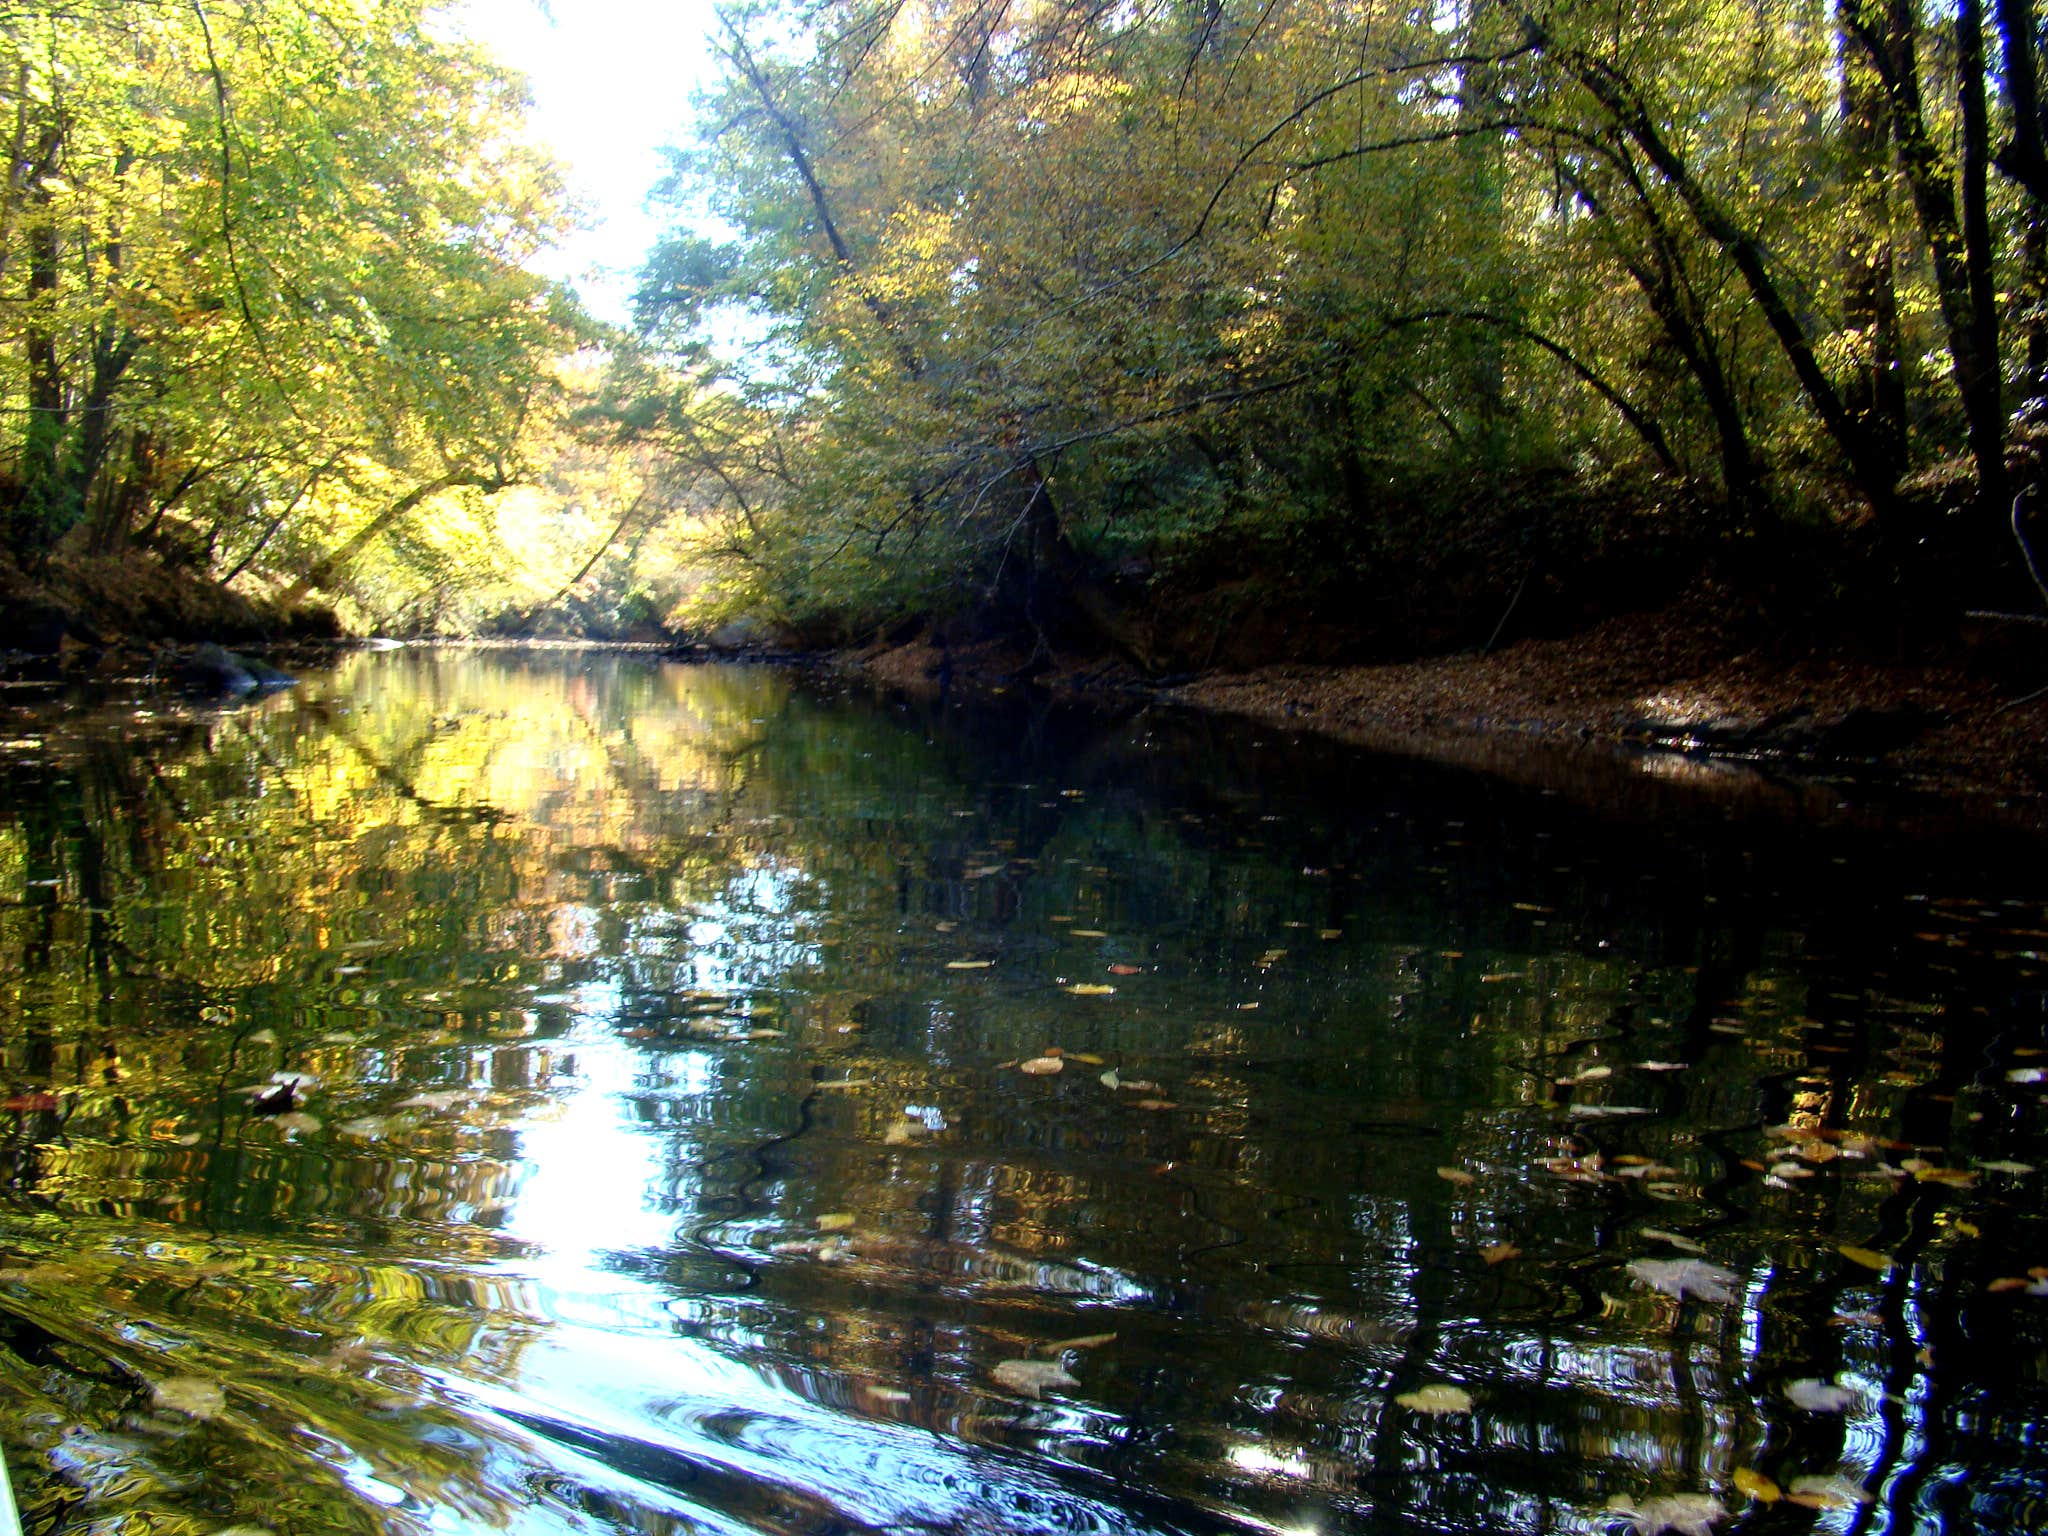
[(1585, 1075), (1039, 1066), (1675, 1239), (1817, 1396), (1499, 1253), (1869, 1258), (1685, 1277), (1689, 1514), (969, 965), (1828, 1491), (191, 1395), (1456, 1176), (441, 1099), (1955, 1178), (835, 1221), (1092, 989), (1438, 1397), (1086, 1341), (1757, 1486), (1032, 1377)]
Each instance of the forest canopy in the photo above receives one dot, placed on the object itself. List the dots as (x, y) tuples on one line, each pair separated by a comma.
[(1155, 322), (1069, 302)]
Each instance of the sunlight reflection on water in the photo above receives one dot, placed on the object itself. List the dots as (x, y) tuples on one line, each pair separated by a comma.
[(729, 1107)]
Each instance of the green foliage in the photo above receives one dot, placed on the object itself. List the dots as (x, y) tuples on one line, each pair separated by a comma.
[(1062, 288), (266, 276)]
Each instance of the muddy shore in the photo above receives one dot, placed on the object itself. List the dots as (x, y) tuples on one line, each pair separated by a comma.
[(1681, 692)]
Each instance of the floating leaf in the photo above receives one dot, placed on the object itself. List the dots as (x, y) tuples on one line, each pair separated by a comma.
[(193, 1396), (1817, 1396), (1689, 1514), (1437, 1398), (1869, 1258), (1032, 1377), (1585, 1075), (446, 1098), (1685, 1277), (1092, 989), (1828, 1490), (1456, 1176), (1086, 1341), (1040, 1066), (1757, 1486)]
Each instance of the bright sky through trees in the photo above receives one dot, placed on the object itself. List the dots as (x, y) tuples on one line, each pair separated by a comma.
[(611, 84)]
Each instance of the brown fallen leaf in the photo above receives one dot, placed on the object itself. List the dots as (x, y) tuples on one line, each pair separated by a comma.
[(1031, 1377)]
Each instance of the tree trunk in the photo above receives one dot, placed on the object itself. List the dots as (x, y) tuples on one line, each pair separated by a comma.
[(1892, 48), (331, 566), (1876, 390)]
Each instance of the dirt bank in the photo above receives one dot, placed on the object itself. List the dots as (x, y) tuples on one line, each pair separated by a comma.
[(1953, 721)]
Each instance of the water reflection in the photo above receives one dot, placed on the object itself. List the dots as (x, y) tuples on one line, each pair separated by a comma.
[(721, 1105)]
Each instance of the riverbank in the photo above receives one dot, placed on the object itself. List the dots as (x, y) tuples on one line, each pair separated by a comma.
[(1956, 720)]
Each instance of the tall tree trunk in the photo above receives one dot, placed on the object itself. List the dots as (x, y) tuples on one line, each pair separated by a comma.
[(1876, 390), (42, 514), (1892, 47), (1987, 408), (1631, 117)]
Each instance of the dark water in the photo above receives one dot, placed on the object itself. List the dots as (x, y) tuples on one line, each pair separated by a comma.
[(664, 1158)]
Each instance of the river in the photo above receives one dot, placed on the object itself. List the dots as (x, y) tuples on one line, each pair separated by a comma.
[(559, 1091)]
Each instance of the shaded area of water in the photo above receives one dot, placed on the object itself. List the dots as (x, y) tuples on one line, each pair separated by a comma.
[(721, 1106)]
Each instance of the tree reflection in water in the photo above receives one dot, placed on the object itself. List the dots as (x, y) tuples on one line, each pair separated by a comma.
[(666, 1160)]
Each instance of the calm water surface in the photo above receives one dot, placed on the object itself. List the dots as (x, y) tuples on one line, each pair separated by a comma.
[(719, 1107)]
